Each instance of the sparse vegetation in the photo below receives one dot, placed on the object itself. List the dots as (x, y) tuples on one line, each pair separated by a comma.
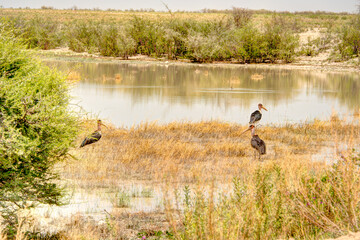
[(121, 199)]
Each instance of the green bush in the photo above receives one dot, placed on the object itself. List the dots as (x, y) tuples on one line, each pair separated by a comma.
[(148, 36), (115, 42), (43, 33), (36, 129), (247, 45), (280, 40), (349, 45), (83, 36), (202, 48)]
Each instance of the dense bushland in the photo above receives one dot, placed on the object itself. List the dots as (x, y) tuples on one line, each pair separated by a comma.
[(237, 35), (36, 130), (233, 37)]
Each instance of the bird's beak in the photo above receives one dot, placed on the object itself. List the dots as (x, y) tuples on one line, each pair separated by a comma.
[(245, 131), (104, 125), (263, 108)]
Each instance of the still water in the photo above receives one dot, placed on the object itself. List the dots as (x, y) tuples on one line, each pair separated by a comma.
[(129, 93)]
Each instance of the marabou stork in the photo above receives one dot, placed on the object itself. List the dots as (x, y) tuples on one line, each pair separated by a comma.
[(95, 136), (256, 116), (257, 143)]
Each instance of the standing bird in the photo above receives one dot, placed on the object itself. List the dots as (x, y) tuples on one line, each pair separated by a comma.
[(256, 116), (257, 143), (95, 136)]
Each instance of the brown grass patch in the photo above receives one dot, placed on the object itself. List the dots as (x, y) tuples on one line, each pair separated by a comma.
[(185, 152)]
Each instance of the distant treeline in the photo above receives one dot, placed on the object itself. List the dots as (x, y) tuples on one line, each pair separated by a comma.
[(204, 10), (233, 37)]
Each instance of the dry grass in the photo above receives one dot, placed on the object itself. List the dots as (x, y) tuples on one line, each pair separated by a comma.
[(186, 152), (303, 20), (209, 157), (65, 16)]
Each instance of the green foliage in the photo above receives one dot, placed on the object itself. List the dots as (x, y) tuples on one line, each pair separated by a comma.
[(232, 37), (247, 45), (115, 42), (349, 45), (279, 40), (83, 36), (148, 36), (202, 48), (43, 33), (156, 235), (36, 129)]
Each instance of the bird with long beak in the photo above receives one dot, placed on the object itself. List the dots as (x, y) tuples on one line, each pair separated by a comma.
[(256, 116), (256, 142), (95, 136)]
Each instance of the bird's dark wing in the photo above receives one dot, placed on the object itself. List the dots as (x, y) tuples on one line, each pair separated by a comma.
[(255, 116), (262, 147), (258, 144), (91, 139)]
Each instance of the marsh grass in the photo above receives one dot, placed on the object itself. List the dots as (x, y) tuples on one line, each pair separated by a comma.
[(213, 188), (286, 195), (121, 199), (185, 152), (267, 205)]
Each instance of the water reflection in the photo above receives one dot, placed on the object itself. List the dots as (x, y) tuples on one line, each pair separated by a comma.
[(130, 93)]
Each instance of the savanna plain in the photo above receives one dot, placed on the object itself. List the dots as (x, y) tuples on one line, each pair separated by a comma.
[(201, 178)]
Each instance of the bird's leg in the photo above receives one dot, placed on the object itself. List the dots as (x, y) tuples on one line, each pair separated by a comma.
[(254, 155)]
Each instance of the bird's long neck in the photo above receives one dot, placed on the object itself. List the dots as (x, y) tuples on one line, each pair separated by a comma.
[(260, 109), (252, 132), (99, 127)]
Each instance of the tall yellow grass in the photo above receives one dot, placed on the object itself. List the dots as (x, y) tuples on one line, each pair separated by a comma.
[(185, 152)]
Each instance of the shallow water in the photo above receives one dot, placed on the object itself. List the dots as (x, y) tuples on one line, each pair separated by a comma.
[(129, 93)]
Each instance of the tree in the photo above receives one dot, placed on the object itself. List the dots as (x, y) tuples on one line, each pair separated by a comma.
[(37, 129)]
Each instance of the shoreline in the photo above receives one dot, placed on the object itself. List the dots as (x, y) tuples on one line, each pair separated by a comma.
[(301, 63)]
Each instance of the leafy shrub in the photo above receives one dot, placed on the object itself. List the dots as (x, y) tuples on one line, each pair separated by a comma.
[(247, 45), (280, 41), (115, 42), (202, 48), (84, 36), (36, 129), (43, 33), (148, 36), (349, 45)]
